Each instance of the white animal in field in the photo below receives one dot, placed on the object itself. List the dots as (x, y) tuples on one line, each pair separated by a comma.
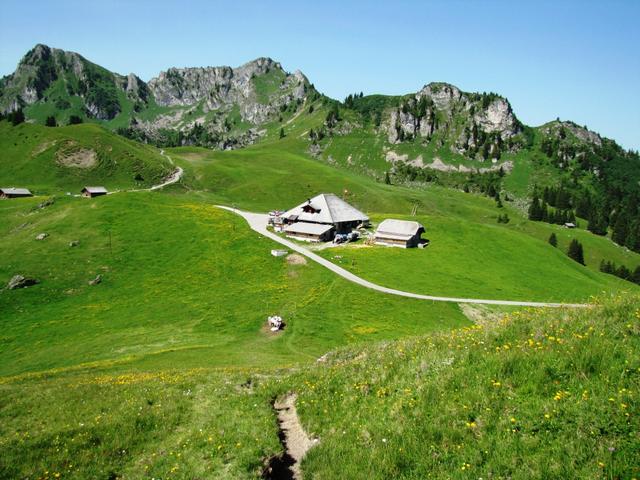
[(275, 322)]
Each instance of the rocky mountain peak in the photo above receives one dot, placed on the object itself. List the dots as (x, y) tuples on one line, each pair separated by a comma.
[(38, 53), (442, 94), (221, 87), (558, 129)]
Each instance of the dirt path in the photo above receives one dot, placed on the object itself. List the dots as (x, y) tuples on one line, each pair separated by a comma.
[(294, 439), (259, 222), (175, 177)]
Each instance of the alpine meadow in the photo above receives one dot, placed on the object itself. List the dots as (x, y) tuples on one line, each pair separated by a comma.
[(225, 273)]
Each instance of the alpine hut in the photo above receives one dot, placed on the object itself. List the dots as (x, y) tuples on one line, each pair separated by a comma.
[(14, 192), (93, 191), (398, 233), (310, 232), (321, 217)]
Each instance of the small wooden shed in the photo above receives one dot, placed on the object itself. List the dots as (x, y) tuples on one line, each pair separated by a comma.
[(12, 192), (93, 191), (398, 233), (310, 232)]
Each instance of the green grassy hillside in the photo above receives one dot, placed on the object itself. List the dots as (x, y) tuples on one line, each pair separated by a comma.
[(471, 254), (472, 259), (184, 284), (57, 160), (535, 395), (548, 394), (166, 368)]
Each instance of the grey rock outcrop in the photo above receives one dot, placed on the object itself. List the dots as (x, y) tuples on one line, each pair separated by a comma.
[(555, 129), (221, 88), (497, 117), (456, 115), (443, 95), (20, 281)]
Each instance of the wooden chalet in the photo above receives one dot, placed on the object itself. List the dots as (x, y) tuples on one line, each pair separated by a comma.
[(398, 233), (91, 192), (11, 192)]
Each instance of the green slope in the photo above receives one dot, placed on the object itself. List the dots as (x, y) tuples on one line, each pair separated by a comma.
[(471, 254), (534, 395), (184, 284), (56, 160)]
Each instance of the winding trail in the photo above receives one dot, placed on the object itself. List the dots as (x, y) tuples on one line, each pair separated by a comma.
[(174, 177), (258, 222), (171, 179)]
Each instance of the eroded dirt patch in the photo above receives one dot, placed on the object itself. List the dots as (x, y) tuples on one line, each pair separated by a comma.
[(295, 259), (480, 314), (75, 157), (293, 438)]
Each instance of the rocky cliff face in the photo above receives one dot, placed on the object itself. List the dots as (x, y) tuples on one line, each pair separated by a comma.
[(209, 99), (44, 68), (466, 121), (224, 87), (559, 131)]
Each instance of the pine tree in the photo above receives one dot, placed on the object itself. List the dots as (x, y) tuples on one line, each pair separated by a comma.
[(635, 276), (576, 252), (620, 229), (553, 240), (583, 207), (16, 117), (623, 272), (387, 179), (51, 122), (544, 211), (603, 266), (535, 209), (597, 223), (281, 132), (633, 237)]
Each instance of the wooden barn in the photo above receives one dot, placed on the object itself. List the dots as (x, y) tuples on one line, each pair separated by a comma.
[(310, 232), (398, 233), (93, 191), (321, 217), (14, 192)]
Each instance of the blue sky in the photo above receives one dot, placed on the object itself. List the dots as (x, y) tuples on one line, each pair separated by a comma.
[(577, 60)]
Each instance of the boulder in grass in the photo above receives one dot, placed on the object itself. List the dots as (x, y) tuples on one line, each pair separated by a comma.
[(96, 280), (42, 236), (20, 281), (74, 243)]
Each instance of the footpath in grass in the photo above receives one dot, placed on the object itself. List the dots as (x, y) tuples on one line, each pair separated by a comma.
[(537, 394)]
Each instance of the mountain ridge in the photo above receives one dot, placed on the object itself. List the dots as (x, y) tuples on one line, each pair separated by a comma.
[(168, 90), (439, 134)]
